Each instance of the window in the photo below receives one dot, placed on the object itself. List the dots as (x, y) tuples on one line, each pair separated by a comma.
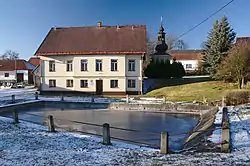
[(188, 66), (131, 65), (84, 65), (113, 64), (84, 83), (52, 66), (52, 83), (113, 83), (131, 83), (69, 83), (6, 74), (98, 65), (69, 65)]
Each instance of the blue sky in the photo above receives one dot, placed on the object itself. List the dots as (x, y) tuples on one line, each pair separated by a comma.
[(24, 23)]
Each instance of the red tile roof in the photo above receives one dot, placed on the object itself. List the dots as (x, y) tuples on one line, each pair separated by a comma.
[(186, 54), (129, 39), (34, 61), (9, 65), (241, 40)]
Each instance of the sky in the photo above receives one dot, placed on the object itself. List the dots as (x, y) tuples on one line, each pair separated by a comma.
[(25, 23)]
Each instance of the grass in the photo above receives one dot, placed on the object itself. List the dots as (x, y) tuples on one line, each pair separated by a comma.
[(211, 90)]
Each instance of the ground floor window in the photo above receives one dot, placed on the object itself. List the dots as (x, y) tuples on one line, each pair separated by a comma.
[(113, 83), (52, 83), (84, 83), (188, 66), (6, 74), (131, 83), (69, 83)]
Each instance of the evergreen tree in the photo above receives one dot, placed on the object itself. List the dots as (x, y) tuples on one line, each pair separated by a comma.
[(220, 41)]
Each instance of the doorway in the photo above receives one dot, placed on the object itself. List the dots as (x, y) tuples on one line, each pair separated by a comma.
[(99, 87), (20, 77)]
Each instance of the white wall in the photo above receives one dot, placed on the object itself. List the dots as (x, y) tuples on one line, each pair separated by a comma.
[(194, 64), (12, 75), (61, 75)]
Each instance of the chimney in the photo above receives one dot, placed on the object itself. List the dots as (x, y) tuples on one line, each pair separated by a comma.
[(117, 27), (99, 24), (132, 27)]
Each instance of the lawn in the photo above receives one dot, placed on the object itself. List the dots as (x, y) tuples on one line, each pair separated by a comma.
[(211, 90)]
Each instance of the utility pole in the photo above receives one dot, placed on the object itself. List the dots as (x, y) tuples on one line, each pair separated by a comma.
[(15, 71)]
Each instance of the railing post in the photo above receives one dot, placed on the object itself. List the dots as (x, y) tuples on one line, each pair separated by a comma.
[(92, 99), (127, 98), (164, 143), (15, 117), (106, 134), (13, 98), (62, 97), (36, 95), (164, 99), (223, 102), (225, 147), (51, 125)]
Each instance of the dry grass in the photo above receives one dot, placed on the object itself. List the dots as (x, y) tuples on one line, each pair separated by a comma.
[(211, 90)]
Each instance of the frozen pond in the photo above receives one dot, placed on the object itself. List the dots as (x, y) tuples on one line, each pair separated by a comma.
[(143, 121)]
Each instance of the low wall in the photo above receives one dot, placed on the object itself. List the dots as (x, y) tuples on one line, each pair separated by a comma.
[(16, 106), (164, 107), (207, 119)]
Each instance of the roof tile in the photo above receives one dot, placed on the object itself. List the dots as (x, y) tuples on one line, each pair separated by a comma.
[(129, 39)]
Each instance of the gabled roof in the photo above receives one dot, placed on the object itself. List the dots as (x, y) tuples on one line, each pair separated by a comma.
[(128, 39), (34, 61), (10, 65), (186, 54)]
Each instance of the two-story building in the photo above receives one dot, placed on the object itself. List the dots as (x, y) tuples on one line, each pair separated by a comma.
[(95, 60)]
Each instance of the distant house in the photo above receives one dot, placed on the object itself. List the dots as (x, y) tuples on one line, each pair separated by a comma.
[(34, 61), (12, 71), (188, 58), (102, 60)]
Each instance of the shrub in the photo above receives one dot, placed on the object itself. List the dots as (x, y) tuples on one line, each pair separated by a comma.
[(237, 97)]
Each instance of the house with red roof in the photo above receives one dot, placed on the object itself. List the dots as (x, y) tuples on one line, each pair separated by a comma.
[(12, 71), (188, 58), (102, 60)]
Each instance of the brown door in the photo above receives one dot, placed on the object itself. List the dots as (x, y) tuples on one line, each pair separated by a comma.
[(19, 77), (99, 87)]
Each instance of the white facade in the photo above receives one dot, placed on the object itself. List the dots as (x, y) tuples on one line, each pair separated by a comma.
[(10, 75), (122, 76), (189, 65), (7, 78)]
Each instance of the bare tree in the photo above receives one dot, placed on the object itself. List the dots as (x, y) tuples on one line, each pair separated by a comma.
[(9, 54)]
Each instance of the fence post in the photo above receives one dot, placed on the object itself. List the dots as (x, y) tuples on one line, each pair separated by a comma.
[(223, 102), (164, 143), (106, 134), (127, 98), (36, 95), (51, 125), (225, 147), (164, 99), (13, 98), (15, 117), (62, 97)]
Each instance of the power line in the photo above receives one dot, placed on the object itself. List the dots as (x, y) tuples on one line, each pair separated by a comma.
[(217, 11)]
